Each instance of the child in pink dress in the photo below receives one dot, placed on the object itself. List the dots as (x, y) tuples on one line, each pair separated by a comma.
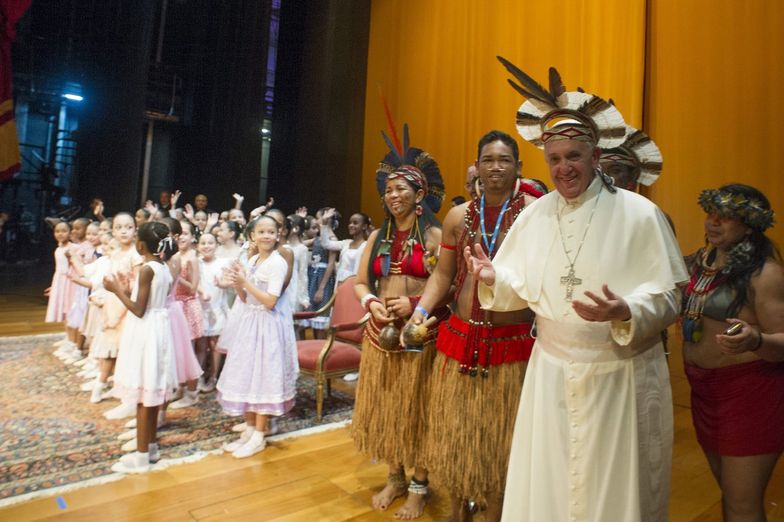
[(82, 253), (186, 293), (188, 368), (59, 292)]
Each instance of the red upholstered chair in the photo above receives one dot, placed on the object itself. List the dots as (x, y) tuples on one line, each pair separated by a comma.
[(339, 353)]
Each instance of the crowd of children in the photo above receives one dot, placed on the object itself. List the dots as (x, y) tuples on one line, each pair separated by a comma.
[(162, 306)]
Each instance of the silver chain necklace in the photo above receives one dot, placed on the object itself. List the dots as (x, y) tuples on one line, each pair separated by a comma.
[(570, 280)]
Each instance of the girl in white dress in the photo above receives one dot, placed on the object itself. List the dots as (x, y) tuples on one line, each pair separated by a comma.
[(215, 307), (350, 249), (106, 344), (297, 225), (260, 374), (146, 374)]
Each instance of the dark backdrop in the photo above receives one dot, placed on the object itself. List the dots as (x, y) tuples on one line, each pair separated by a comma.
[(318, 123), (219, 50)]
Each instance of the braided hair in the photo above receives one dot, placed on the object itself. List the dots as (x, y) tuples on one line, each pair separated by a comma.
[(155, 236)]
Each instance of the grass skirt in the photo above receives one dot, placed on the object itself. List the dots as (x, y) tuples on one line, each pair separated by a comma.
[(470, 426), (390, 413)]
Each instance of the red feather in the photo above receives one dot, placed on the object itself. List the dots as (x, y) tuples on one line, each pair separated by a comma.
[(391, 123)]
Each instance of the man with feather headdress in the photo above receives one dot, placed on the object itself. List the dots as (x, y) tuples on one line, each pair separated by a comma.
[(593, 436)]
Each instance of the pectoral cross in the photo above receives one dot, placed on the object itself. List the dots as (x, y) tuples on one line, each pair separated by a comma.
[(570, 280)]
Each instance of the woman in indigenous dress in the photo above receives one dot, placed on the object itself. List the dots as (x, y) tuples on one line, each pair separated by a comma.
[(733, 329), (392, 389)]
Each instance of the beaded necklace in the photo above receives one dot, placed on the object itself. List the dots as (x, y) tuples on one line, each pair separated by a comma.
[(702, 282), (478, 323), (385, 248), (490, 245)]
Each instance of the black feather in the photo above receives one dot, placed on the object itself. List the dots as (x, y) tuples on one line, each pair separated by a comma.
[(556, 84), (392, 148), (531, 86), (520, 89)]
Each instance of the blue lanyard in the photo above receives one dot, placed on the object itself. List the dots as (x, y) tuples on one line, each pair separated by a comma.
[(490, 246)]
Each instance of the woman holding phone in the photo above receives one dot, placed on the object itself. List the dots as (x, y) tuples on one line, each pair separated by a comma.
[(733, 328)]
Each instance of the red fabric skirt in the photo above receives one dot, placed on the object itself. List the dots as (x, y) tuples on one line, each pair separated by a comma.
[(738, 411), (499, 344)]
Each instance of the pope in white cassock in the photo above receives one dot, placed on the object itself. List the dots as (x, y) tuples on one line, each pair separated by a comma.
[(600, 267)]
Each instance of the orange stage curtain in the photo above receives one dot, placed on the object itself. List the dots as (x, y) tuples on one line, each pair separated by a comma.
[(703, 77), (715, 104), (435, 62)]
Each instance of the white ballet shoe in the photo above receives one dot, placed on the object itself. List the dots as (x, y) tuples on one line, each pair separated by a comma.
[(208, 385), (81, 363), (255, 444), (133, 463), (231, 447), (120, 412), (65, 351), (99, 389), (92, 373), (73, 359), (239, 428), (127, 435), (189, 398)]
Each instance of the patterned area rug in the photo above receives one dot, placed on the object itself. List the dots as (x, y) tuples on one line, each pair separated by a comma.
[(52, 436)]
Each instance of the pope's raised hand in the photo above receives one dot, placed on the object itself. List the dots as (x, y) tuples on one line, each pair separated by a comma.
[(610, 307), (479, 265)]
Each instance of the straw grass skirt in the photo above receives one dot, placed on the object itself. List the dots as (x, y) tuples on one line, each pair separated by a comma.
[(470, 426), (390, 414)]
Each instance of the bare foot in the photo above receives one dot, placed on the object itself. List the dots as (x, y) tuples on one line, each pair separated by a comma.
[(386, 496), (413, 508)]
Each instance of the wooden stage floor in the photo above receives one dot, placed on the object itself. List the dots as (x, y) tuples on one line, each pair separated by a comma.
[(315, 478)]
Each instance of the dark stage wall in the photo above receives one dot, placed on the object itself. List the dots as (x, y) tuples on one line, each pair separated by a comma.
[(316, 157)]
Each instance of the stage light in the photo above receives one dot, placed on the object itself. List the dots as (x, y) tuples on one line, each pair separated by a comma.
[(72, 91), (265, 131)]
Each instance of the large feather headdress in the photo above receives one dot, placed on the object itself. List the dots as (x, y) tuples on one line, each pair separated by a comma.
[(400, 157), (640, 153), (551, 114)]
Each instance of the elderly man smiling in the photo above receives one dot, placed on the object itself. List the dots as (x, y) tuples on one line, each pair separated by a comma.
[(600, 268)]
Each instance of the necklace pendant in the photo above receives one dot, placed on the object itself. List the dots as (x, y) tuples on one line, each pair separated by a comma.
[(570, 281)]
